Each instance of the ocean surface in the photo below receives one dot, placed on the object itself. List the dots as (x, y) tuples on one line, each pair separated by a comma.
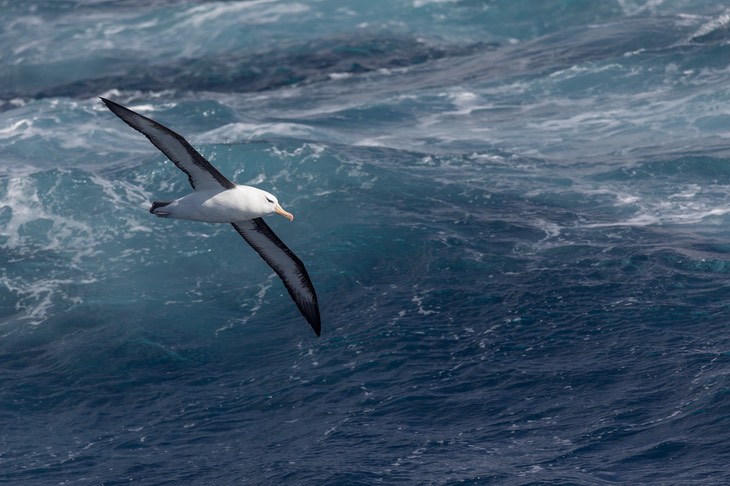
[(516, 215)]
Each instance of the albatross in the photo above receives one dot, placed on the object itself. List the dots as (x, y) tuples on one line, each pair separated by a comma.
[(216, 199)]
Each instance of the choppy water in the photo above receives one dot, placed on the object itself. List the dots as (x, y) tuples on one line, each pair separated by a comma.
[(515, 214)]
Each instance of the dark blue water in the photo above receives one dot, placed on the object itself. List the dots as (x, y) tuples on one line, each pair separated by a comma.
[(515, 214)]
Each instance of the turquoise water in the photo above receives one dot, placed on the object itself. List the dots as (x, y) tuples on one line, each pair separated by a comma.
[(515, 215)]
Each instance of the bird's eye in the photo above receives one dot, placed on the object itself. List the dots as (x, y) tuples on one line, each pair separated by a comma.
[(267, 198)]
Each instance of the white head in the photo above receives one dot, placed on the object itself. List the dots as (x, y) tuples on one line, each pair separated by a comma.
[(270, 202)]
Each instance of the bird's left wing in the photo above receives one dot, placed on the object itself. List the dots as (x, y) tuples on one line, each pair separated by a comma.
[(201, 174), (286, 265)]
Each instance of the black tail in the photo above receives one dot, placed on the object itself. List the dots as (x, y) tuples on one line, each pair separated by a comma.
[(158, 204)]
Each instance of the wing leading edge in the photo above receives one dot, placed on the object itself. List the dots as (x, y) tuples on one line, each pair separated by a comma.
[(201, 174)]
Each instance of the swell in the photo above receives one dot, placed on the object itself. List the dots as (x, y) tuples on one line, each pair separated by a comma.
[(311, 62)]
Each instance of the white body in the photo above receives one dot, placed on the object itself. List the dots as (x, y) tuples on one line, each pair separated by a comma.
[(221, 205)]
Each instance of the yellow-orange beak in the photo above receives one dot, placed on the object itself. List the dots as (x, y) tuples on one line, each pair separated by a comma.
[(279, 210)]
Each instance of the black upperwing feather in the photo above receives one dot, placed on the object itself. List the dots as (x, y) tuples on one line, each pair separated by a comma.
[(286, 265), (201, 174)]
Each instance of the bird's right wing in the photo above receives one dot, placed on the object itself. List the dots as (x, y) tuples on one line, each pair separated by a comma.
[(201, 174)]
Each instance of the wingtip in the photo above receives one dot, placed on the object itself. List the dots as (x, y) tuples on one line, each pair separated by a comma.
[(314, 319), (110, 104), (116, 108)]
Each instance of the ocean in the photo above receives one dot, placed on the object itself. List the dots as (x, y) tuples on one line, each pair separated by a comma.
[(515, 213)]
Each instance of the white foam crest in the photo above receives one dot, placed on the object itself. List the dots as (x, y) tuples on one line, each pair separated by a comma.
[(339, 76), (22, 199), (251, 12), (64, 244), (37, 294), (632, 7), (417, 299), (36, 298), (693, 213), (248, 131), (466, 103), (622, 198), (690, 205), (45, 127), (307, 151), (21, 128), (639, 220), (111, 30), (15, 128), (576, 70), (552, 230), (423, 3), (603, 120), (373, 142), (716, 23)]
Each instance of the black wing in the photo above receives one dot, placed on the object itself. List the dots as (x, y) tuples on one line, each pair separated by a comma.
[(286, 265), (201, 174)]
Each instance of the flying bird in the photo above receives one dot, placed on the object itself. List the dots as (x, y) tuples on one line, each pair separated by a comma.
[(215, 199)]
